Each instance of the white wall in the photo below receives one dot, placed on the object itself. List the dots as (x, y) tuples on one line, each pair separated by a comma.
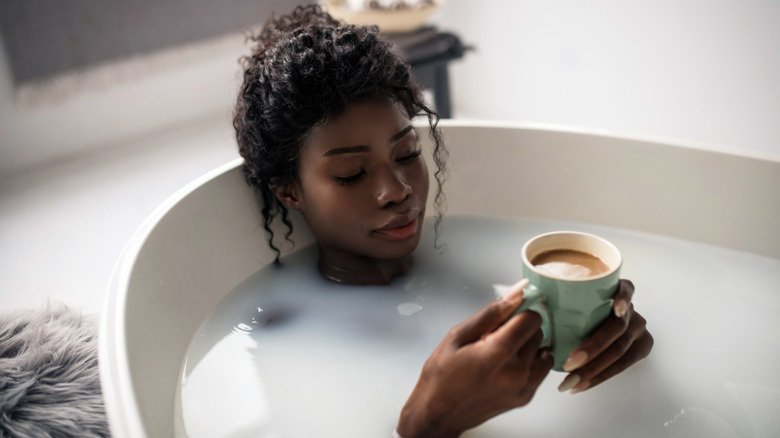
[(117, 104), (691, 69), (695, 70)]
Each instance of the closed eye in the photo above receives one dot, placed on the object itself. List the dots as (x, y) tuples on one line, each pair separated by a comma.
[(345, 180), (410, 157)]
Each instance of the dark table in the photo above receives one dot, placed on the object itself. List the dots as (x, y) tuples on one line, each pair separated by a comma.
[(429, 52)]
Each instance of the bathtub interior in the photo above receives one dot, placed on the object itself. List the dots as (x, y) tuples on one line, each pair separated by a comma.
[(208, 237), (187, 255)]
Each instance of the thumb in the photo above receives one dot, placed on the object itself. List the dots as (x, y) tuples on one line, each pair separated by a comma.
[(490, 316), (622, 298)]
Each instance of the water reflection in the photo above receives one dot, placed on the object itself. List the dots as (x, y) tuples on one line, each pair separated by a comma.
[(760, 408), (695, 421)]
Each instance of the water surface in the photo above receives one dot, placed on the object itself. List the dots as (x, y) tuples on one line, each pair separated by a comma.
[(288, 354)]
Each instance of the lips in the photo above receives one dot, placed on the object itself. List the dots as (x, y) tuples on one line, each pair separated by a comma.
[(402, 226)]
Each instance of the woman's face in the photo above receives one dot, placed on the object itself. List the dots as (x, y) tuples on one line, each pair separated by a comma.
[(362, 183)]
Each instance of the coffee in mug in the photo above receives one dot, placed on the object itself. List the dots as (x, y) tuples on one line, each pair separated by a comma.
[(573, 278), (569, 264)]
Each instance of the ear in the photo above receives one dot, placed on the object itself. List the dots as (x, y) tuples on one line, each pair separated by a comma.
[(287, 193)]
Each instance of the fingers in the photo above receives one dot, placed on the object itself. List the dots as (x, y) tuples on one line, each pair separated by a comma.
[(609, 331), (542, 363), (622, 298), (518, 332), (635, 344), (540, 367), (638, 351), (489, 317), (514, 295), (615, 350), (530, 347)]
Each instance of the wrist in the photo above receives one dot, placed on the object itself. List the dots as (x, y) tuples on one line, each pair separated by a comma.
[(414, 423)]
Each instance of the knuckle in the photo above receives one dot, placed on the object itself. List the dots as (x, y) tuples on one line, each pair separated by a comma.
[(494, 309), (536, 340), (525, 396), (522, 376), (531, 318), (623, 343), (497, 306), (455, 332), (548, 361), (646, 343), (435, 368), (494, 356), (596, 380), (542, 367), (625, 321), (630, 314), (431, 368), (640, 320), (523, 399), (513, 377), (636, 324)]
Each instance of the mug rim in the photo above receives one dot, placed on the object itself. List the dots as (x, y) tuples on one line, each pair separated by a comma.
[(610, 245)]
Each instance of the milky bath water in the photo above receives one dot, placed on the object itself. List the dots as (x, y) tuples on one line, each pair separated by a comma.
[(289, 354)]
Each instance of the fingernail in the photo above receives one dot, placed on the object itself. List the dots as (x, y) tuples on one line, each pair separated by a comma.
[(575, 361), (569, 382), (579, 388), (515, 293), (621, 307)]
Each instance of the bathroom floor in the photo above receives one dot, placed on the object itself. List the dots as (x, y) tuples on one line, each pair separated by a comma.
[(62, 226)]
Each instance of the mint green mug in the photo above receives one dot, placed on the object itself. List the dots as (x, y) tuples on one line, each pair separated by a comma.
[(568, 288)]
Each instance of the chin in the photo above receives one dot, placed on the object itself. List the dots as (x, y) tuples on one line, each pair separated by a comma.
[(397, 250)]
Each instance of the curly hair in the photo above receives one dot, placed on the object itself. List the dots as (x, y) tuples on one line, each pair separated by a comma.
[(305, 68)]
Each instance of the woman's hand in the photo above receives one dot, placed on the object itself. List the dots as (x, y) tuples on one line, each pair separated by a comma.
[(620, 341), (484, 366)]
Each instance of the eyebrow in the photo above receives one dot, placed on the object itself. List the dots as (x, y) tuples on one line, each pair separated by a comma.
[(346, 150), (401, 134), (364, 148)]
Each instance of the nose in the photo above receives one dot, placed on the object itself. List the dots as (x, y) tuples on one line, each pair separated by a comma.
[(392, 188)]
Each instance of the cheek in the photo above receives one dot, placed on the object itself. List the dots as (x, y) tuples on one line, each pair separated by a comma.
[(329, 206), (420, 178)]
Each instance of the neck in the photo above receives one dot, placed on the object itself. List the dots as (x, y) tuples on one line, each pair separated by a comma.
[(360, 270)]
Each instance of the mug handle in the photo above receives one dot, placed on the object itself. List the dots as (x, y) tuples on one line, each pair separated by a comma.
[(533, 300)]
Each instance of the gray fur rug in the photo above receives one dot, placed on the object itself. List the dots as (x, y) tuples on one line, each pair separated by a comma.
[(49, 380)]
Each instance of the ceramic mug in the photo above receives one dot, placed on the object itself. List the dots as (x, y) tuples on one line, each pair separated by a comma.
[(571, 307)]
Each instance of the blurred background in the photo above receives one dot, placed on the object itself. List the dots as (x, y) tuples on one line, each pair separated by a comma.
[(106, 109)]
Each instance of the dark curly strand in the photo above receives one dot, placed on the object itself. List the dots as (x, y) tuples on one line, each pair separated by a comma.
[(305, 68)]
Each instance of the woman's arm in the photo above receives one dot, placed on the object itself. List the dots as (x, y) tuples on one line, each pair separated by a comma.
[(487, 365)]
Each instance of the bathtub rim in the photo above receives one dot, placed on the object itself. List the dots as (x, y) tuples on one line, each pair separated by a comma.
[(119, 397), (121, 402)]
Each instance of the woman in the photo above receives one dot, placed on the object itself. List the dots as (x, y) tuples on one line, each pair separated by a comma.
[(323, 121)]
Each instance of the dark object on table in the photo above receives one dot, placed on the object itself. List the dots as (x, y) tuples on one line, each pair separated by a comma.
[(429, 52)]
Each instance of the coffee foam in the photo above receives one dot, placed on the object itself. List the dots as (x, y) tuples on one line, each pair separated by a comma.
[(565, 270), (569, 264)]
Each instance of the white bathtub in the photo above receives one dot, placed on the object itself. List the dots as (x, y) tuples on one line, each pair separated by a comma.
[(206, 239)]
